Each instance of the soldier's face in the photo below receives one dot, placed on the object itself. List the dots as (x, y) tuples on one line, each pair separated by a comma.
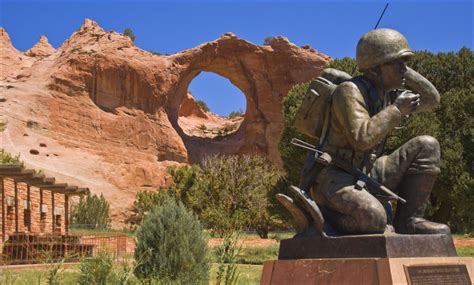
[(393, 74)]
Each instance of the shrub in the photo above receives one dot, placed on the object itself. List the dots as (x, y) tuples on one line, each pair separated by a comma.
[(7, 158), (3, 125), (91, 212), (95, 270), (129, 33), (346, 64), (226, 258), (222, 133), (267, 40), (234, 114), (203, 105), (226, 192), (229, 192), (54, 273), (183, 177), (171, 246), (144, 203), (122, 273)]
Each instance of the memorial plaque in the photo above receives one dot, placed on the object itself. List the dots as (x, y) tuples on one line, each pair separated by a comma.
[(445, 274)]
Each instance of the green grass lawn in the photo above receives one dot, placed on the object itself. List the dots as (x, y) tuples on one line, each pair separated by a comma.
[(247, 273), (465, 251), (253, 254), (272, 235), (36, 276)]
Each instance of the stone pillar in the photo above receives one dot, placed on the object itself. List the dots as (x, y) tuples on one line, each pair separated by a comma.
[(3, 212), (59, 209), (66, 214), (15, 185), (22, 194), (35, 210), (53, 222), (46, 218), (28, 212), (9, 190)]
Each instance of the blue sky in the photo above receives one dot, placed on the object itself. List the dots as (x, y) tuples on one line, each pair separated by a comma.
[(332, 27)]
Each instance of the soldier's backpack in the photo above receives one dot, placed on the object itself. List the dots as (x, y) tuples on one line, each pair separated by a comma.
[(312, 114)]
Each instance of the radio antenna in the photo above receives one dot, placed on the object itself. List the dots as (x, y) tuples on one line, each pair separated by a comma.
[(381, 15)]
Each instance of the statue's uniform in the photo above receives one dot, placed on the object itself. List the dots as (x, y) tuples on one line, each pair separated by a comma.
[(357, 126)]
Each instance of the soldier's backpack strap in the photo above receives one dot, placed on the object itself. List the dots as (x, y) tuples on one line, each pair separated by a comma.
[(370, 97), (325, 132), (369, 92)]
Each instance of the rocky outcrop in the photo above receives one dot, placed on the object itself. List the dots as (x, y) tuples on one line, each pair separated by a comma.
[(190, 107), (111, 109), (41, 49), (12, 61)]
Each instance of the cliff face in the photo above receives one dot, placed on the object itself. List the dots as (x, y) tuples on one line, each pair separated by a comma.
[(108, 111)]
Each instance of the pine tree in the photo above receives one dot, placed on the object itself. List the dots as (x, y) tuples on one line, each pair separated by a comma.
[(128, 32), (92, 212), (171, 246)]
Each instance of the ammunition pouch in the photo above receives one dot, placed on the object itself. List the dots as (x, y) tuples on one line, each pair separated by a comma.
[(355, 158)]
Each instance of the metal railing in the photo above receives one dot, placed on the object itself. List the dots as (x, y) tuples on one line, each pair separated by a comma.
[(29, 248)]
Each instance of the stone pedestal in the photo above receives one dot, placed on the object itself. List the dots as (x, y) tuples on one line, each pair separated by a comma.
[(366, 246), (438, 270), (369, 259)]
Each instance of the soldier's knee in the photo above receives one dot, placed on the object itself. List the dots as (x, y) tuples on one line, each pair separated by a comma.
[(376, 217), (370, 218), (428, 143)]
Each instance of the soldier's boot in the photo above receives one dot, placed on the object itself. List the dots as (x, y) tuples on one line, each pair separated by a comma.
[(416, 188)]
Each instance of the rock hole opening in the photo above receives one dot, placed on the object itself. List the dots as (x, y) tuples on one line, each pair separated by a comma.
[(212, 108)]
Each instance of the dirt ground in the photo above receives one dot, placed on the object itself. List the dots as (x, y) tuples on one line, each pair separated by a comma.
[(463, 242), (246, 242), (459, 242)]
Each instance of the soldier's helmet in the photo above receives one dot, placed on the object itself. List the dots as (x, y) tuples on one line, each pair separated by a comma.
[(381, 46)]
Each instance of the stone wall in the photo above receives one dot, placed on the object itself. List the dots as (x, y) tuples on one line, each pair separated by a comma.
[(31, 218)]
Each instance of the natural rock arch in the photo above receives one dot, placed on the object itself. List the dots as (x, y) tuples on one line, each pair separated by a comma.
[(198, 147), (264, 76)]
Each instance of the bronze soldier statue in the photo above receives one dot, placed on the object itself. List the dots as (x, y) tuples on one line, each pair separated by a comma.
[(362, 113)]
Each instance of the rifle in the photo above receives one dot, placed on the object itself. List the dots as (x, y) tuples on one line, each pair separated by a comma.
[(325, 158)]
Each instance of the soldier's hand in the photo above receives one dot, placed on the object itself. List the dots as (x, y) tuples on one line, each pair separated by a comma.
[(407, 102)]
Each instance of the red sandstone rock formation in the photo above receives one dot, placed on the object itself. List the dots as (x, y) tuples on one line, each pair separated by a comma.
[(107, 110), (12, 60), (41, 49), (190, 108)]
